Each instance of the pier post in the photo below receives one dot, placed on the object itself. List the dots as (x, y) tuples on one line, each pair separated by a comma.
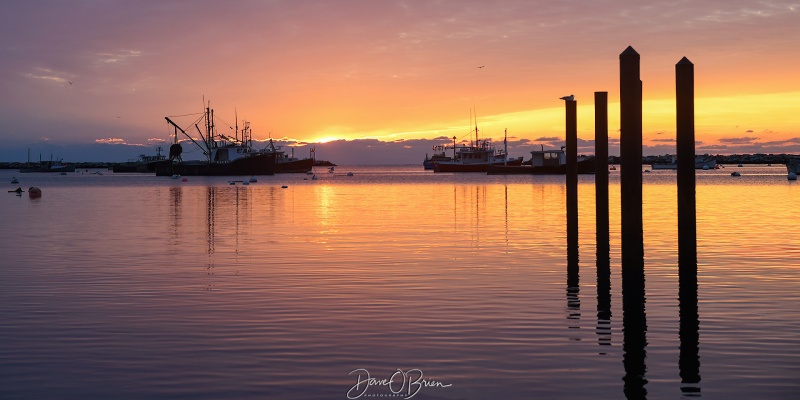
[(603, 328), (689, 358), (631, 162), (687, 218), (634, 322), (573, 279)]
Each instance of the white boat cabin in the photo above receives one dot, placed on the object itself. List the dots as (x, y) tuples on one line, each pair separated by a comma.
[(548, 158)]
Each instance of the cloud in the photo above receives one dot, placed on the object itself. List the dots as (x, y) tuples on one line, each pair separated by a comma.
[(48, 75), (739, 140), (110, 141)]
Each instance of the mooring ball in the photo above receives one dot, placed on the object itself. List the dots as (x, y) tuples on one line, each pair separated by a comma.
[(792, 176), (34, 192)]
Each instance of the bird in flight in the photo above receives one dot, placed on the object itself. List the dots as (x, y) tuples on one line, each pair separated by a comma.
[(481, 66), (568, 98)]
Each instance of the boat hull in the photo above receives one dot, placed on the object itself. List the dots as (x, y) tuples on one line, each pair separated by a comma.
[(586, 166), (149, 167), (473, 167), (65, 168), (259, 164), (294, 166)]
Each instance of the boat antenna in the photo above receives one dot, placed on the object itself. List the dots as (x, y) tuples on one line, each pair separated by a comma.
[(505, 147), (236, 117)]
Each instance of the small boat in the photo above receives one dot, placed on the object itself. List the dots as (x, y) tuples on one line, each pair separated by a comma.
[(224, 155), (704, 162), (14, 180), (143, 164), (48, 166), (545, 162)]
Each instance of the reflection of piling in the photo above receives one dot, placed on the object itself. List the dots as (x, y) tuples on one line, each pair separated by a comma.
[(634, 323), (603, 329), (573, 288), (689, 359)]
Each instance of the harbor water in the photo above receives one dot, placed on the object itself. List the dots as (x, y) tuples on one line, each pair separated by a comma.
[(434, 286)]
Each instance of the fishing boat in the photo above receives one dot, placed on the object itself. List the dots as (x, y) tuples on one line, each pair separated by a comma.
[(478, 156), (144, 163), (288, 164), (545, 162), (438, 156), (224, 155), (701, 162)]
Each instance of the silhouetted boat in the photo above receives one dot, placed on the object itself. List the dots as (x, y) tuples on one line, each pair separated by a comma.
[(700, 162), (545, 162), (793, 166), (224, 155), (438, 156), (145, 163), (477, 157), (288, 164), (48, 166)]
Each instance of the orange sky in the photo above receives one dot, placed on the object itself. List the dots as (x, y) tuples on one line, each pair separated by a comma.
[(321, 70)]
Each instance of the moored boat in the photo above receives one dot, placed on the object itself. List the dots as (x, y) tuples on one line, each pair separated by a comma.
[(288, 164), (438, 156), (144, 163), (700, 162), (478, 156), (48, 166), (545, 162), (224, 155)]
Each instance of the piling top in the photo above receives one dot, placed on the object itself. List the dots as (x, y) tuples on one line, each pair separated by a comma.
[(684, 61), (629, 52)]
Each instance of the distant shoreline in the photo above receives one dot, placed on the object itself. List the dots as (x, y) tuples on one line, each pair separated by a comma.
[(721, 159)]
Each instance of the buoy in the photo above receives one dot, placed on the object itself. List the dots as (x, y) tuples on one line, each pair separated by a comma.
[(284, 187), (14, 180), (34, 192), (792, 176), (245, 182), (175, 176), (253, 179), (231, 182), (647, 170), (705, 167), (349, 174), (740, 165), (736, 173)]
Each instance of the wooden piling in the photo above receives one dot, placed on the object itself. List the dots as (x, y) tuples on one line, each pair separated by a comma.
[(634, 322), (631, 162), (603, 328), (689, 358)]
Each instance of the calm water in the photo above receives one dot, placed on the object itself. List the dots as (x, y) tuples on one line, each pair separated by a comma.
[(136, 286)]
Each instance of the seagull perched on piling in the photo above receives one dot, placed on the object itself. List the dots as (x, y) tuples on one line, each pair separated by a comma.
[(568, 98)]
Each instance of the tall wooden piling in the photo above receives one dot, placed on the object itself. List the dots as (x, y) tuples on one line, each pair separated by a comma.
[(634, 323), (573, 279), (689, 359), (631, 161), (687, 219), (603, 328), (601, 170)]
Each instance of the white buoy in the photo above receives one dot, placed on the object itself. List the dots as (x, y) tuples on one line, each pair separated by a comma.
[(176, 176), (740, 165), (705, 167), (792, 176)]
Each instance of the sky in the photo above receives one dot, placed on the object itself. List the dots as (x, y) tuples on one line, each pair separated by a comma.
[(381, 81)]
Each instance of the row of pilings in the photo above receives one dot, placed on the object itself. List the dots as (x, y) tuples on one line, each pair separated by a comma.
[(634, 321)]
